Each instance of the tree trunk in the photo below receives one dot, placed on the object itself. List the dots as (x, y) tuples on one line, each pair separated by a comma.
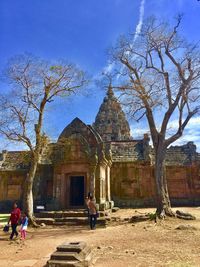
[(163, 201), (28, 192)]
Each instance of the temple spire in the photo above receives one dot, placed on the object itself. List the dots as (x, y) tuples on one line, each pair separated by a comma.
[(111, 121), (110, 91)]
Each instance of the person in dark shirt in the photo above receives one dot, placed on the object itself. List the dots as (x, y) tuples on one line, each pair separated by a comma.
[(14, 220)]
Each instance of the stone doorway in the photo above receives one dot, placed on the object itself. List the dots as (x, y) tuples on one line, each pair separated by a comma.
[(77, 191)]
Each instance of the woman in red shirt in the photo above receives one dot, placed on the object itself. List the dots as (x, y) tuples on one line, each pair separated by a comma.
[(14, 219)]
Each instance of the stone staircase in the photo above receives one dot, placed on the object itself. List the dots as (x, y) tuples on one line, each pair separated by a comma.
[(69, 217)]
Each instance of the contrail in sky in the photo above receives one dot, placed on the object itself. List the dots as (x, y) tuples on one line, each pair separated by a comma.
[(140, 22), (110, 66)]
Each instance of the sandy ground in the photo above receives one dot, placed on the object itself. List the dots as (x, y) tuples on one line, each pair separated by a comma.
[(127, 245)]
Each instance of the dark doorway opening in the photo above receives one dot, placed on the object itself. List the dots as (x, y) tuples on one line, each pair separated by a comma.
[(77, 191)]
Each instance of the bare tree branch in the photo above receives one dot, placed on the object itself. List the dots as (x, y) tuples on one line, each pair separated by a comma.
[(36, 83)]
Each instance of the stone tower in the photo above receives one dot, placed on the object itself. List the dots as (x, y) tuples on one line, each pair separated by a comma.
[(110, 121)]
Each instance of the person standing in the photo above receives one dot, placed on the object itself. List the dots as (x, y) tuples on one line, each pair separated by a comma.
[(87, 199), (24, 225), (92, 212), (14, 220)]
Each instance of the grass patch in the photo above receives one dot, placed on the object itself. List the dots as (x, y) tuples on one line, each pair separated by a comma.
[(4, 218)]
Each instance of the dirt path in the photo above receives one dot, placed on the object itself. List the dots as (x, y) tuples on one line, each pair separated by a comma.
[(141, 244)]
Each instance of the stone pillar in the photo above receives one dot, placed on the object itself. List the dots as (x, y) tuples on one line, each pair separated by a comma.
[(93, 165), (92, 180), (108, 195), (63, 194), (57, 191)]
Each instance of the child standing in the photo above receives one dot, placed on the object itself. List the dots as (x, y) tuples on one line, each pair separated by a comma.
[(24, 225)]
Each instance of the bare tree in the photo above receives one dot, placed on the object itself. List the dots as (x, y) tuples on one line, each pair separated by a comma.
[(159, 77), (35, 83)]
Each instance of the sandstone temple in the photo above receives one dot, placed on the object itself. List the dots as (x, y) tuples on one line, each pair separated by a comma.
[(104, 159)]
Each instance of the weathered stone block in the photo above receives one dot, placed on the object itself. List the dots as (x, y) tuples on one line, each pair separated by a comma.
[(73, 254)]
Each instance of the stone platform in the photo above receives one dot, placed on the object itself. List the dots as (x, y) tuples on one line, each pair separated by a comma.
[(70, 217), (73, 254)]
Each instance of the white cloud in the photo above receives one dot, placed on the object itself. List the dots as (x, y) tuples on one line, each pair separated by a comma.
[(191, 132), (194, 122), (138, 132), (108, 68)]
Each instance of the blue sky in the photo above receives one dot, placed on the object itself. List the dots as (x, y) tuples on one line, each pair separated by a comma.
[(81, 31)]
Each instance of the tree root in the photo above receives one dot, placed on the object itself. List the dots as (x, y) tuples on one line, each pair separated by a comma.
[(169, 212), (165, 212), (184, 215), (33, 223), (139, 218)]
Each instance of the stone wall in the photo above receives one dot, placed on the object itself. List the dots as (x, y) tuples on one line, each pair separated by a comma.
[(133, 185), (185, 155), (12, 186), (184, 184), (128, 151), (11, 189), (43, 185)]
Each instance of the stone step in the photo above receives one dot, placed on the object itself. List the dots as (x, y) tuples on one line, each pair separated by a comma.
[(61, 214), (78, 221), (72, 221), (68, 223), (47, 221), (61, 256), (65, 214), (64, 221), (73, 247), (69, 219), (102, 221), (56, 263)]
